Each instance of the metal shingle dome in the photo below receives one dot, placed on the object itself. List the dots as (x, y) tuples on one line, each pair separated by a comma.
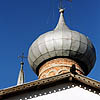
[(62, 42)]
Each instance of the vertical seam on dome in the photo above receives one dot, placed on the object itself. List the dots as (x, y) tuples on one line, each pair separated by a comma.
[(71, 42), (62, 40), (32, 52), (38, 48), (79, 44), (46, 47), (54, 45)]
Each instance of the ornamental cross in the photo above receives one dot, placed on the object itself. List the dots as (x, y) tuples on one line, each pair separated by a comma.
[(22, 57), (70, 0), (61, 3)]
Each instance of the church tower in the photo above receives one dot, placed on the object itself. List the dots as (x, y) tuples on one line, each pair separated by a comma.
[(55, 52), (61, 58)]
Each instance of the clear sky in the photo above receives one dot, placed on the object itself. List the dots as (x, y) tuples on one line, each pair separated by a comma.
[(22, 21)]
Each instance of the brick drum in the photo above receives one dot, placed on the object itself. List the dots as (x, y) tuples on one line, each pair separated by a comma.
[(58, 66)]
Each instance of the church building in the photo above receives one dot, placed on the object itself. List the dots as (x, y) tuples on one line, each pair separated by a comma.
[(62, 58)]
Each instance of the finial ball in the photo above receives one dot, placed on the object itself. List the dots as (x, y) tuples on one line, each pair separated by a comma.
[(61, 10)]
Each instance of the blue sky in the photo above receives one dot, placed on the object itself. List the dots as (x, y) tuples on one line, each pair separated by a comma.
[(22, 21)]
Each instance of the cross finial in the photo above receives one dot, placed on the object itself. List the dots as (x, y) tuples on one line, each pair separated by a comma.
[(22, 57), (61, 5), (69, 0)]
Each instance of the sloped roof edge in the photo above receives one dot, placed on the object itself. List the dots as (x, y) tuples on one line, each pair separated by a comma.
[(26, 86)]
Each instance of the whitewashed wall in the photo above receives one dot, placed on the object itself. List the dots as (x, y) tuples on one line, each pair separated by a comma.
[(75, 93), (65, 91)]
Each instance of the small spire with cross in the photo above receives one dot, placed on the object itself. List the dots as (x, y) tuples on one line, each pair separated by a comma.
[(21, 73), (22, 58)]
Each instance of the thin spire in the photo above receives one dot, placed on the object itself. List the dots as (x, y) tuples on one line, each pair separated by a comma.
[(61, 23), (21, 73)]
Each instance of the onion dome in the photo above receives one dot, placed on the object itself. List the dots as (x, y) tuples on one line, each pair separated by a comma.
[(62, 42)]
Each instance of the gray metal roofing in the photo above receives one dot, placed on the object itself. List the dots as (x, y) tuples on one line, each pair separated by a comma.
[(62, 42)]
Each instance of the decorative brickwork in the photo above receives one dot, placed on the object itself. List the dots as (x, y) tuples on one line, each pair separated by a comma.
[(58, 66)]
